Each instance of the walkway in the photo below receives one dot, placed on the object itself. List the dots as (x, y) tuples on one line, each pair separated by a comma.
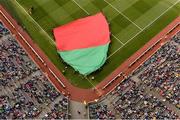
[(76, 107)]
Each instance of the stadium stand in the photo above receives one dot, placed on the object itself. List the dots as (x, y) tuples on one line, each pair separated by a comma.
[(152, 92), (163, 72), (3, 30), (100, 111), (25, 92)]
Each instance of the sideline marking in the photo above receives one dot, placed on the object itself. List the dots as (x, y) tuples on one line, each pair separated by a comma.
[(52, 41)]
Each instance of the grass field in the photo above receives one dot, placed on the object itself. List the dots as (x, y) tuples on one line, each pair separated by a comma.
[(132, 24)]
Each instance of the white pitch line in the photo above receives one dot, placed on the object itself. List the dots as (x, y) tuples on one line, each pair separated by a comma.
[(123, 14), (81, 7), (143, 29), (52, 41), (114, 52), (118, 39), (93, 85)]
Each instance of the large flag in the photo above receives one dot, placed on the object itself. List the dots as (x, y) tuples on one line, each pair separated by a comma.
[(84, 43)]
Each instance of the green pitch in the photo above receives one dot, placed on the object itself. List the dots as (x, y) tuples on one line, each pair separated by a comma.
[(132, 23)]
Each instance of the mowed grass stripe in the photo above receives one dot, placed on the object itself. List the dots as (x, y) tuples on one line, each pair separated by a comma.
[(123, 15), (145, 17), (151, 23), (45, 33), (153, 13), (54, 14), (137, 10), (122, 5)]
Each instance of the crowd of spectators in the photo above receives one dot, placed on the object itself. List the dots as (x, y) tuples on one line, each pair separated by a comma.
[(163, 74), (59, 110), (100, 111), (3, 30), (135, 104), (138, 97), (17, 106), (176, 38), (14, 62), (25, 91)]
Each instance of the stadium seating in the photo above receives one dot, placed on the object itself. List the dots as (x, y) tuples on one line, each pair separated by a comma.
[(25, 92), (152, 92)]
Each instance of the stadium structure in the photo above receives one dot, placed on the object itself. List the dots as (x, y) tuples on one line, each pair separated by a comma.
[(109, 59)]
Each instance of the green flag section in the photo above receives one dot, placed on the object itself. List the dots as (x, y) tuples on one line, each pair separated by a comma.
[(85, 61)]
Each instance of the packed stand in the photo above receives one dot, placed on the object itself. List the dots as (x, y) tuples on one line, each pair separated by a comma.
[(59, 110), (131, 101), (14, 62), (176, 38), (25, 92), (100, 111), (3, 30), (162, 74), (135, 104), (140, 96)]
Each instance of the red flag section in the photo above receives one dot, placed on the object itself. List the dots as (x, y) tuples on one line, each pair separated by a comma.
[(86, 32)]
